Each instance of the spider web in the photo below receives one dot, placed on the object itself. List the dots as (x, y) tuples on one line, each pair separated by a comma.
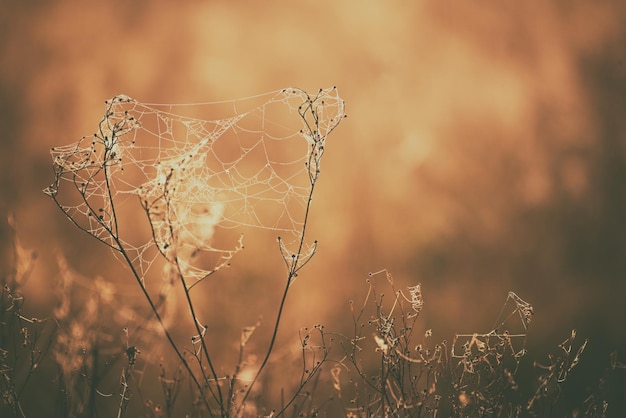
[(507, 340), (196, 172)]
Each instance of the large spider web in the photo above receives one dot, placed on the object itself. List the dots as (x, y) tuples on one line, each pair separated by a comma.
[(168, 179)]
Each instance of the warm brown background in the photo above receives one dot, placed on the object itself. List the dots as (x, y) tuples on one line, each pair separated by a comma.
[(484, 151)]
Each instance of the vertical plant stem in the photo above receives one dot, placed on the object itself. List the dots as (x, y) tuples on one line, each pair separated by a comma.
[(219, 397), (293, 270)]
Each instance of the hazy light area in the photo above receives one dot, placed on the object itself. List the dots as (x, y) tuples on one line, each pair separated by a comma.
[(484, 150)]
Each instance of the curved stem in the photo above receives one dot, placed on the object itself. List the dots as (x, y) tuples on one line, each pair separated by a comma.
[(186, 289)]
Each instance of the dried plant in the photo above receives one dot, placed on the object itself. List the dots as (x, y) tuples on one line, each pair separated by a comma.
[(188, 185), (409, 376), (24, 341)]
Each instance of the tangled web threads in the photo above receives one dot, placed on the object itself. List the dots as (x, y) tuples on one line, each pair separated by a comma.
[(193, 171), (503, 346)]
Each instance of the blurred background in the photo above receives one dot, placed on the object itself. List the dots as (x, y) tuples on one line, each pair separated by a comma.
[(484, 149)]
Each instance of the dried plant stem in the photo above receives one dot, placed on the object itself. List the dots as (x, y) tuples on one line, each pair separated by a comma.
[(218, 397), (294, 267), (296, 263)]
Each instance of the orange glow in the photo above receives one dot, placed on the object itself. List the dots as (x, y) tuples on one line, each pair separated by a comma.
[(483, 153)]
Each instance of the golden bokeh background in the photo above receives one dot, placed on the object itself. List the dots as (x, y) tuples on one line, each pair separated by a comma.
[(484, 149)]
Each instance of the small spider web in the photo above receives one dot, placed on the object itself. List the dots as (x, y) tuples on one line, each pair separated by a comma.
[(504, 345), (185, 180)]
